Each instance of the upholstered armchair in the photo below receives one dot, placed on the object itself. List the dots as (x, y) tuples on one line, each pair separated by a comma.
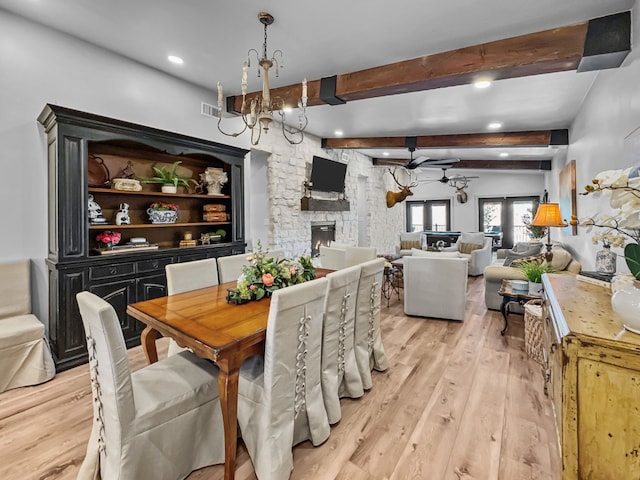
[(476, 248), (25, 358), (407, 241), (435, 286)]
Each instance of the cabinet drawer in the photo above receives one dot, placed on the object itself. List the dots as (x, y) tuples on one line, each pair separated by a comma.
[(115, 270), (153, 265)]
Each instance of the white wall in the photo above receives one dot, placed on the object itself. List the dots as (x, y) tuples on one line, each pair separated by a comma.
[(39, 66), (610, 112)]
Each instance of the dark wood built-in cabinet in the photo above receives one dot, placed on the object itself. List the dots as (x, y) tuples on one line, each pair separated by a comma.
[(77, 141)]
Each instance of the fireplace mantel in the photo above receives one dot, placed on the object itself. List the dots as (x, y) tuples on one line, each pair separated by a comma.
[(318, 204)]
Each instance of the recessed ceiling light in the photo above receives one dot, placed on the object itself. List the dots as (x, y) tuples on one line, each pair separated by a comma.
[(494, 125), (338, 133), (386, 154), (176, 60), (504, 154), (482, 84)]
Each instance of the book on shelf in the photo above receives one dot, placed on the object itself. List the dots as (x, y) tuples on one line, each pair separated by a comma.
[(605, 277), (602, 280)]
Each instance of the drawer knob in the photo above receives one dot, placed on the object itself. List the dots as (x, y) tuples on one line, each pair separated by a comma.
[(113, 270), (155, 264)]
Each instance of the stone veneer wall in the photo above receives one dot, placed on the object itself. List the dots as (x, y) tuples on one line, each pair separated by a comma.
[(290, 228)]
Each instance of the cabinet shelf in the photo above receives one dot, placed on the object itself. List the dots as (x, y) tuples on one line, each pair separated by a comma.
[(155, 225), (158, 194)]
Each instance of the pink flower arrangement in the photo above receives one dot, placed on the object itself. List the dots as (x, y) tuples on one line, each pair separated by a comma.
[(164, 206), (109, 236), (267, 279)]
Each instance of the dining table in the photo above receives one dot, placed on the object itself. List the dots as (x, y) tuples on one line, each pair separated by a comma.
[(214, 328)]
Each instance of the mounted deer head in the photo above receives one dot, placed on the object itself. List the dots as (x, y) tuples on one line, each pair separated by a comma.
[(397, 197)]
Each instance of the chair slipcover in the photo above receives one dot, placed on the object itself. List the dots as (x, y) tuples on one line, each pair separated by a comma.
[(331, 257), (280, 397), (230, 267), (368, 340), (187, 276), (160, 422), (25, 357), (356, 255), (340, 375), (435, 287)]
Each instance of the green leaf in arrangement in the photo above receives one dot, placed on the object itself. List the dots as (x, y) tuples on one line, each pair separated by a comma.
[(632, 256)]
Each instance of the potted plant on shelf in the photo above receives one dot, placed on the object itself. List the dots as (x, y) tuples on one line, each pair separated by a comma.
[(163, 212), (533, 271), (168, 178)]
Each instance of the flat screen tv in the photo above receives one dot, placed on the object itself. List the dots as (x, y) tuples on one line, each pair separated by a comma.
[(327, 175)]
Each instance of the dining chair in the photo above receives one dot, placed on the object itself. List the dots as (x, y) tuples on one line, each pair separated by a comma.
[(158, 423), (25, 357), (356, 255), (279, 395), (187, 276), (340, 376), (230, 267), (368, 340)]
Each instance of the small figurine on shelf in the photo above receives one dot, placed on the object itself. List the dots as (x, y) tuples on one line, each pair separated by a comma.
[(95, 213), (109, 238), (215, 178), (122, 216)]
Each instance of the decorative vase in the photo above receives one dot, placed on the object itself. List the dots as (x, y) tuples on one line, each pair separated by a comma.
[(625, 301), (535, 288), (606, 260), (169, 189), (162, 216)]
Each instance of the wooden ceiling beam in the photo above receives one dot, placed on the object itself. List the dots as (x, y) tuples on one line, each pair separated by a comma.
[(595, 44), (542, 138), (543, 165)]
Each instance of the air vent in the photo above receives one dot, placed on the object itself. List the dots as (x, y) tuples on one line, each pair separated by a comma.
[(208, 110)]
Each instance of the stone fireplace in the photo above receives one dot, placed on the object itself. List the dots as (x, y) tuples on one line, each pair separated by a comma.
[(322, 233)]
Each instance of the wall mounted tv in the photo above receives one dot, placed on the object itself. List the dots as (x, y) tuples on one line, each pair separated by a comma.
[(327, 175)]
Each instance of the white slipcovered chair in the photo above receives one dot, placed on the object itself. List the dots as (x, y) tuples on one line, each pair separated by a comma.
[(158, 423), (230, 267), (435, 286), (476, 248), (407, 241), (25, 357), (368, 339), (279, 395), (331, 257), (187, 276), (356, 255), (340, 375)]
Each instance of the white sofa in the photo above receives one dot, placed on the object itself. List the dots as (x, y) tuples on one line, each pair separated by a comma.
[(435, 286), (476, 248)]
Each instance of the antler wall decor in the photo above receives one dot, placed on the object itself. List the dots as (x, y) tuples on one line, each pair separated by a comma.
[(397, 197)]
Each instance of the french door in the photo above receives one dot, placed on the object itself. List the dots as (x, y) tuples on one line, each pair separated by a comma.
[(432, 215), (507, 215)]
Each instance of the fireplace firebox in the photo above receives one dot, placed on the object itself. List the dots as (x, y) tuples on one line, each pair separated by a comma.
[(322, 233)]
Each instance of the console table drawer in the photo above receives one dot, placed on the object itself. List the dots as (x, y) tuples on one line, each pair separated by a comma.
[(114, 270), (153, 265)]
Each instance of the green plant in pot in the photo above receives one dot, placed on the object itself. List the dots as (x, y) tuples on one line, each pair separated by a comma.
[(533, 271), (168, 178)]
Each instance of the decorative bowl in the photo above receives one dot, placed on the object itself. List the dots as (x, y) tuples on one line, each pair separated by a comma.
[(162, 216)]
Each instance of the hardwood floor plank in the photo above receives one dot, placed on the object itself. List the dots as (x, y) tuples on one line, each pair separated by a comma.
[(431, 415)]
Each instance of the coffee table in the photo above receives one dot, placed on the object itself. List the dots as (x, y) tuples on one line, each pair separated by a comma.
[(509, 296)]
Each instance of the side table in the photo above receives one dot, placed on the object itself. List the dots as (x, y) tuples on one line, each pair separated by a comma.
[(509, 296), (393, 279)]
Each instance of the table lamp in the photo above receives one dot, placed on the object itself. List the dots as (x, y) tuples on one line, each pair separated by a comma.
[(548, 215)]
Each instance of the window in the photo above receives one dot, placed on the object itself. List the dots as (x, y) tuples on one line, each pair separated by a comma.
[(434, 215)]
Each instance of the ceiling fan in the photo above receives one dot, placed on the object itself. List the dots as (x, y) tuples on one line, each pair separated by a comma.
[(459, 182), (422, 159)]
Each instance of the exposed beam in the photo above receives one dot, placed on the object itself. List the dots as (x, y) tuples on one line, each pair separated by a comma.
[(542, 138), (555, 50), (474, 164)]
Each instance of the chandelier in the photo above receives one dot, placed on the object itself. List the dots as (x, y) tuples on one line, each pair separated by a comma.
[(257, 114)]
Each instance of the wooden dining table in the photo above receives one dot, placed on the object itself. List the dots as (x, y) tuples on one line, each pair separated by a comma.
[(225, 333)]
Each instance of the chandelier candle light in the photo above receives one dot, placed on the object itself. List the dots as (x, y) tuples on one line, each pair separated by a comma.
[(258, 114)]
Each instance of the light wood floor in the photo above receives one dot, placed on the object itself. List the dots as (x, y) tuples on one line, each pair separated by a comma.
[(459, 402)]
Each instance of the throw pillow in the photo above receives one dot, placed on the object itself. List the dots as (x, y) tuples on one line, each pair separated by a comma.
[(408, 244), (561, 258), (468, 247), (476, 237), (535, 247), (510, 255), (531, 259), (423, 253)]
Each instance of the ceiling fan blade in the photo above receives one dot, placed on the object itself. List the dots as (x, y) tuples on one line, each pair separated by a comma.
[(416, 162), (442, 161)]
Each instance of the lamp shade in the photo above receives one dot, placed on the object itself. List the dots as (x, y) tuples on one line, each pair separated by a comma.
[(548, 215)]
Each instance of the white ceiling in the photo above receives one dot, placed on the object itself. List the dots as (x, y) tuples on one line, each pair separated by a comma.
[(330, 37)]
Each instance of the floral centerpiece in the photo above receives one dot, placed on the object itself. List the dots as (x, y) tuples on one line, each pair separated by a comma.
[(109, 238), (163, 212), (621, 227), (264, 274)]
